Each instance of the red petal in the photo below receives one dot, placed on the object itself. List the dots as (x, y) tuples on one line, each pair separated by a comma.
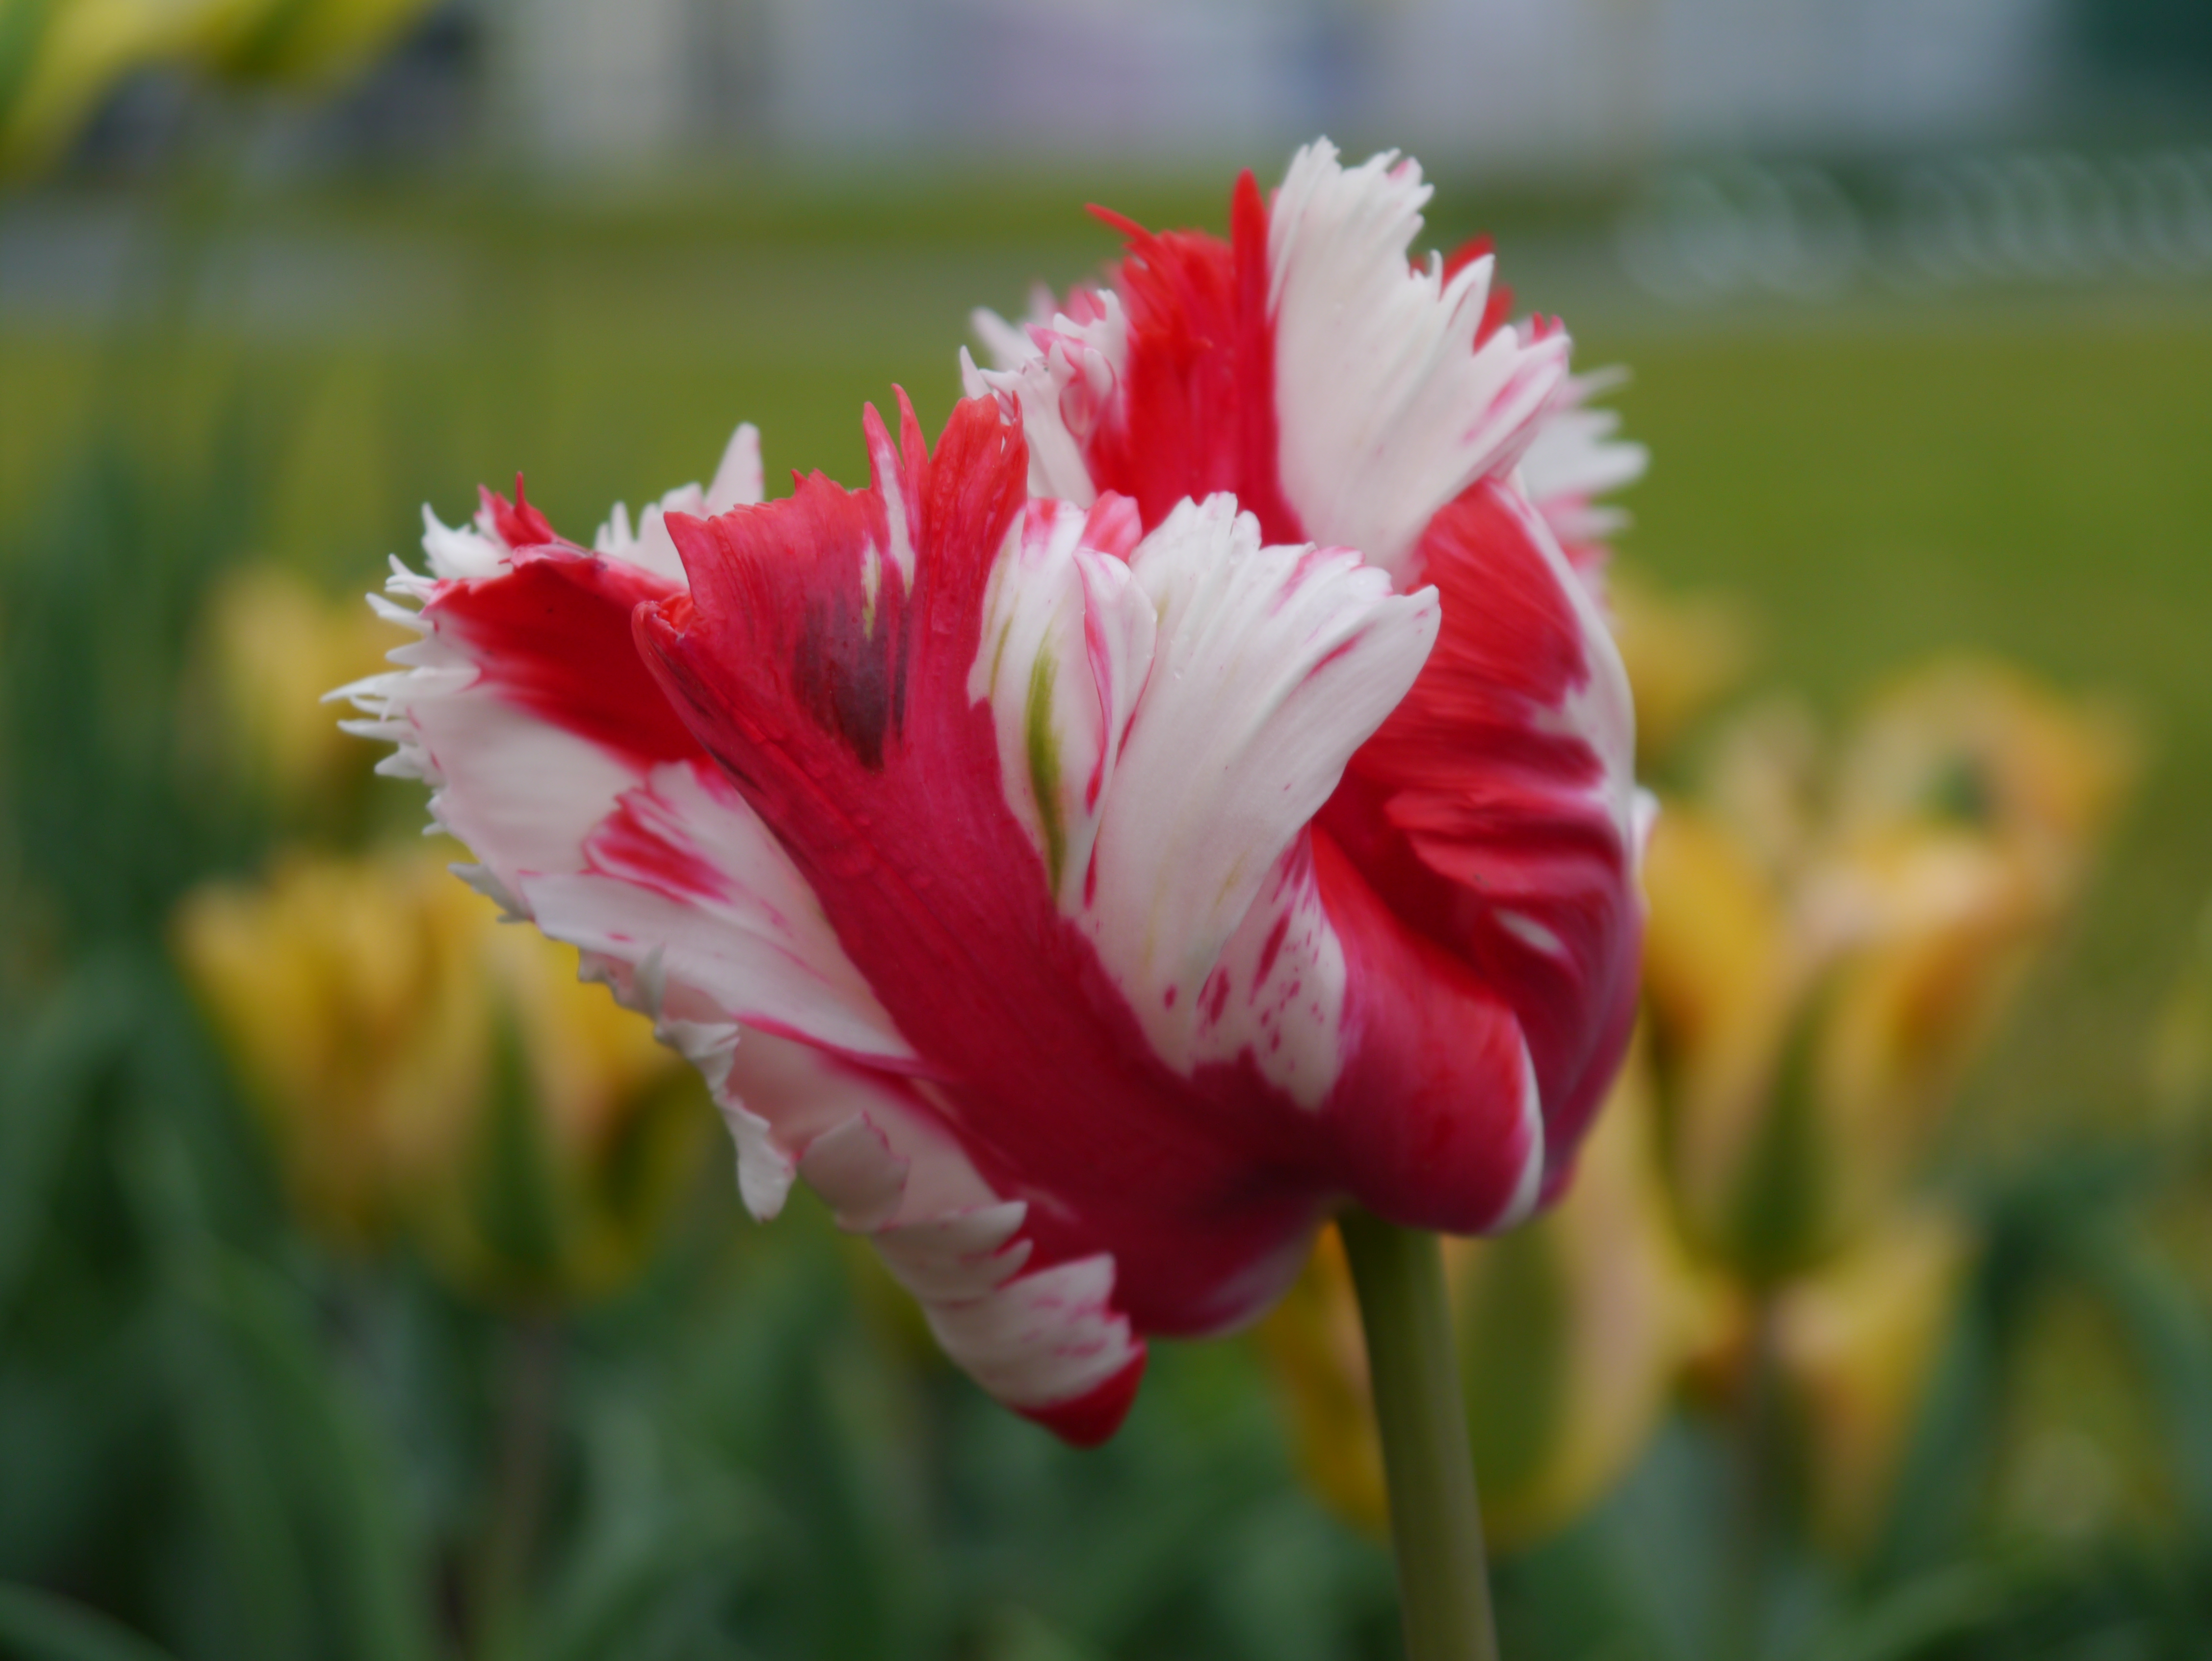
[(1486, 817), (1091, 1418), (1200, 413), (1436, 1124), (553, 637), (518, 523)]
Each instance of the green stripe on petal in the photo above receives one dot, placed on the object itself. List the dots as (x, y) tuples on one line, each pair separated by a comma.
[(1043, 748)]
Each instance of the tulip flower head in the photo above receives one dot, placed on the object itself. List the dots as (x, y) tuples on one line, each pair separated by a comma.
[(1195, 795)]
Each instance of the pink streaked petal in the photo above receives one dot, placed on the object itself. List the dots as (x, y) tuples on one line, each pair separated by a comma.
[(958, 1256), (684, 869), (1277, 994), (1065, 374), (551, 637), (1196, 410), (1047, 1339), (1045, 1343), (1066, 645), (1387, 407), (1577, 457), (522, 706), (1048, 1343), (527, 707), (1272, 666)]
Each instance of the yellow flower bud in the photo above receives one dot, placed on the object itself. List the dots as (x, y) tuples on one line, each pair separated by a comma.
[(1822, 965), (425, 1073), (351, 999), (1683, 655), (1724, 976), (1854, 1344), (1573, 1332), (1313, 1346), (272, 645), (310, 44)]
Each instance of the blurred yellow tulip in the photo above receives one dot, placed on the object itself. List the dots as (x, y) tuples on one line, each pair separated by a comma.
[(2179, 1068), (1683, 653), (1311, 1341), (424, 1071), (311, 44), (1974, 743), (271, 647), (1854, 1344), (1571, 1332), (59, 59), (1821, 966)]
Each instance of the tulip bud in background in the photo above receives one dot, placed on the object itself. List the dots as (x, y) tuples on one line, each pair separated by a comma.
[(424, 1072), (1854, 1344), (1975, 743), (63, 57), (1823, 964), (60, 58), (270, 646), (1684, 653), (310, 44), (2179, 1068), (1313, 1351), (1722, 983), (1571, 1333)]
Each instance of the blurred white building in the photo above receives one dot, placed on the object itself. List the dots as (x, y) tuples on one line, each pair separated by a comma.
[(1505, 83)]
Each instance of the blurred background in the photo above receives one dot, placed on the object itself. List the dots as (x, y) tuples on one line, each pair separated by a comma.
[(368, 1288)]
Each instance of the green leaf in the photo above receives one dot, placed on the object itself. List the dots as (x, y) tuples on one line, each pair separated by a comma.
[(37, 1626), (2173, 1339), (80, 1030), (284, 1461), (338, 1473), (1917, 1616)]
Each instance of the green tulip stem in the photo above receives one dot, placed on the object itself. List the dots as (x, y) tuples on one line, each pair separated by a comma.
[(1436, 1526)]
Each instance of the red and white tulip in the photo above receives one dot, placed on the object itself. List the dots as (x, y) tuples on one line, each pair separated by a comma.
[(1197, 797)]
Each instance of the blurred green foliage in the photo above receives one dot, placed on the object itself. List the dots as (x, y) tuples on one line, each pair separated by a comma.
[(220, 1439)]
